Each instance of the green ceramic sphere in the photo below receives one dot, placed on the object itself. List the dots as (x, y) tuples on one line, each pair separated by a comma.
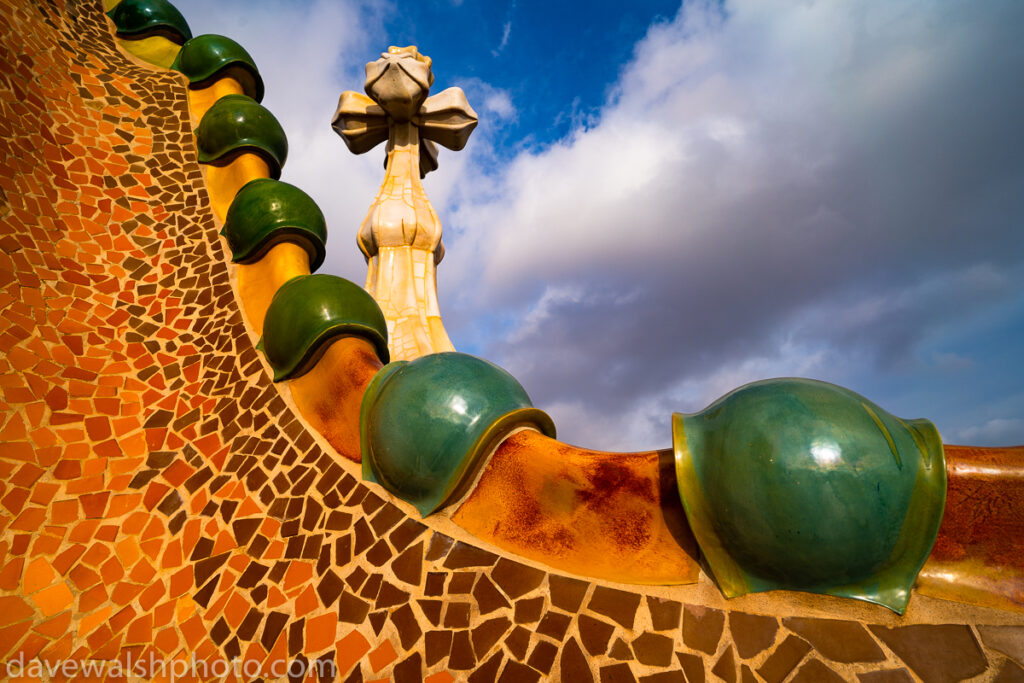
[(308, 313), (804, 485), (266, 212), (237, 123), (425, 424), (204, 57), (139, 17)]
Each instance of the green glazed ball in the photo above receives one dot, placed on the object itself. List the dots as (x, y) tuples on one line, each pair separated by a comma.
[(425, 424), (308, 313), (208, 56), (804, 485), (237, 123), (139, 17), (266, 212)]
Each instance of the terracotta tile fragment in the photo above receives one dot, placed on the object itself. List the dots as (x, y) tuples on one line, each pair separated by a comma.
[(383, 655)]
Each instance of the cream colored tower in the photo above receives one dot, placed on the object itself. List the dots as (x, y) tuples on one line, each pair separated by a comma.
[(401, 234)]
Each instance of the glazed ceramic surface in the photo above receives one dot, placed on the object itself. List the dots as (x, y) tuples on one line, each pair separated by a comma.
[(237, 123), (309, 312), (803, 485), (266, 212), (138, 17), (206, 56), (426, 423)]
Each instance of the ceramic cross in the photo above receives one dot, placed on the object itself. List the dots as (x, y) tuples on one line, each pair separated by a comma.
[(401, 234)]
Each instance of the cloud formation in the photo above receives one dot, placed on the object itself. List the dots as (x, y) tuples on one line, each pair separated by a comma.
[(812, 189)]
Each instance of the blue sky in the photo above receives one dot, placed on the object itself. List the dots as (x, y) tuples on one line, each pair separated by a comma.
[(664, 202)]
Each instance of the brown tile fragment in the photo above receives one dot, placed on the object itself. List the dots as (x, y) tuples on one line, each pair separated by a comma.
[(435, 583), (702, 628), (528, 610), (409, 670), (1010, 673), (487, 634), (351, 609), (464, 555), (252, 575), (725, 667), (272, 629), (664, 613), (517, 642), (405, 533), (377, 621), (329, 588), (693, 667), (816, 672), (619, 606), (566, 594), (388, 517), (890, 676), (390, 595), (488, 671), (248, 627), (620, 650), (487, 596), (947, 652), (438, 644), (461, 583), (515, 579), (1006, 639), (653, 649), (780, 663), (514, 672), (840, 641), (751, 633), (543, 657), (456, 615), (439, 546), (379, 553), (554, 625), (665, 677), (408, 628), (408, 567), (574, 664), (431, 610), (617, 673), (462, 656), (594, 634), (746, 675)]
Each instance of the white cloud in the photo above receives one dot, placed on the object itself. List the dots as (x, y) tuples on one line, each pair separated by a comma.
[(793, 188), (999, 431)]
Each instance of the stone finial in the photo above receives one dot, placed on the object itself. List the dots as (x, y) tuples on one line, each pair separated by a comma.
[(401, 234)]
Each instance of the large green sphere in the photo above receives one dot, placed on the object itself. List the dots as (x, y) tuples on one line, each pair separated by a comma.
[(266, 212), (427, 423), (238, 123), (139, 18), (308, 313), (804, 485), (210, 55)]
